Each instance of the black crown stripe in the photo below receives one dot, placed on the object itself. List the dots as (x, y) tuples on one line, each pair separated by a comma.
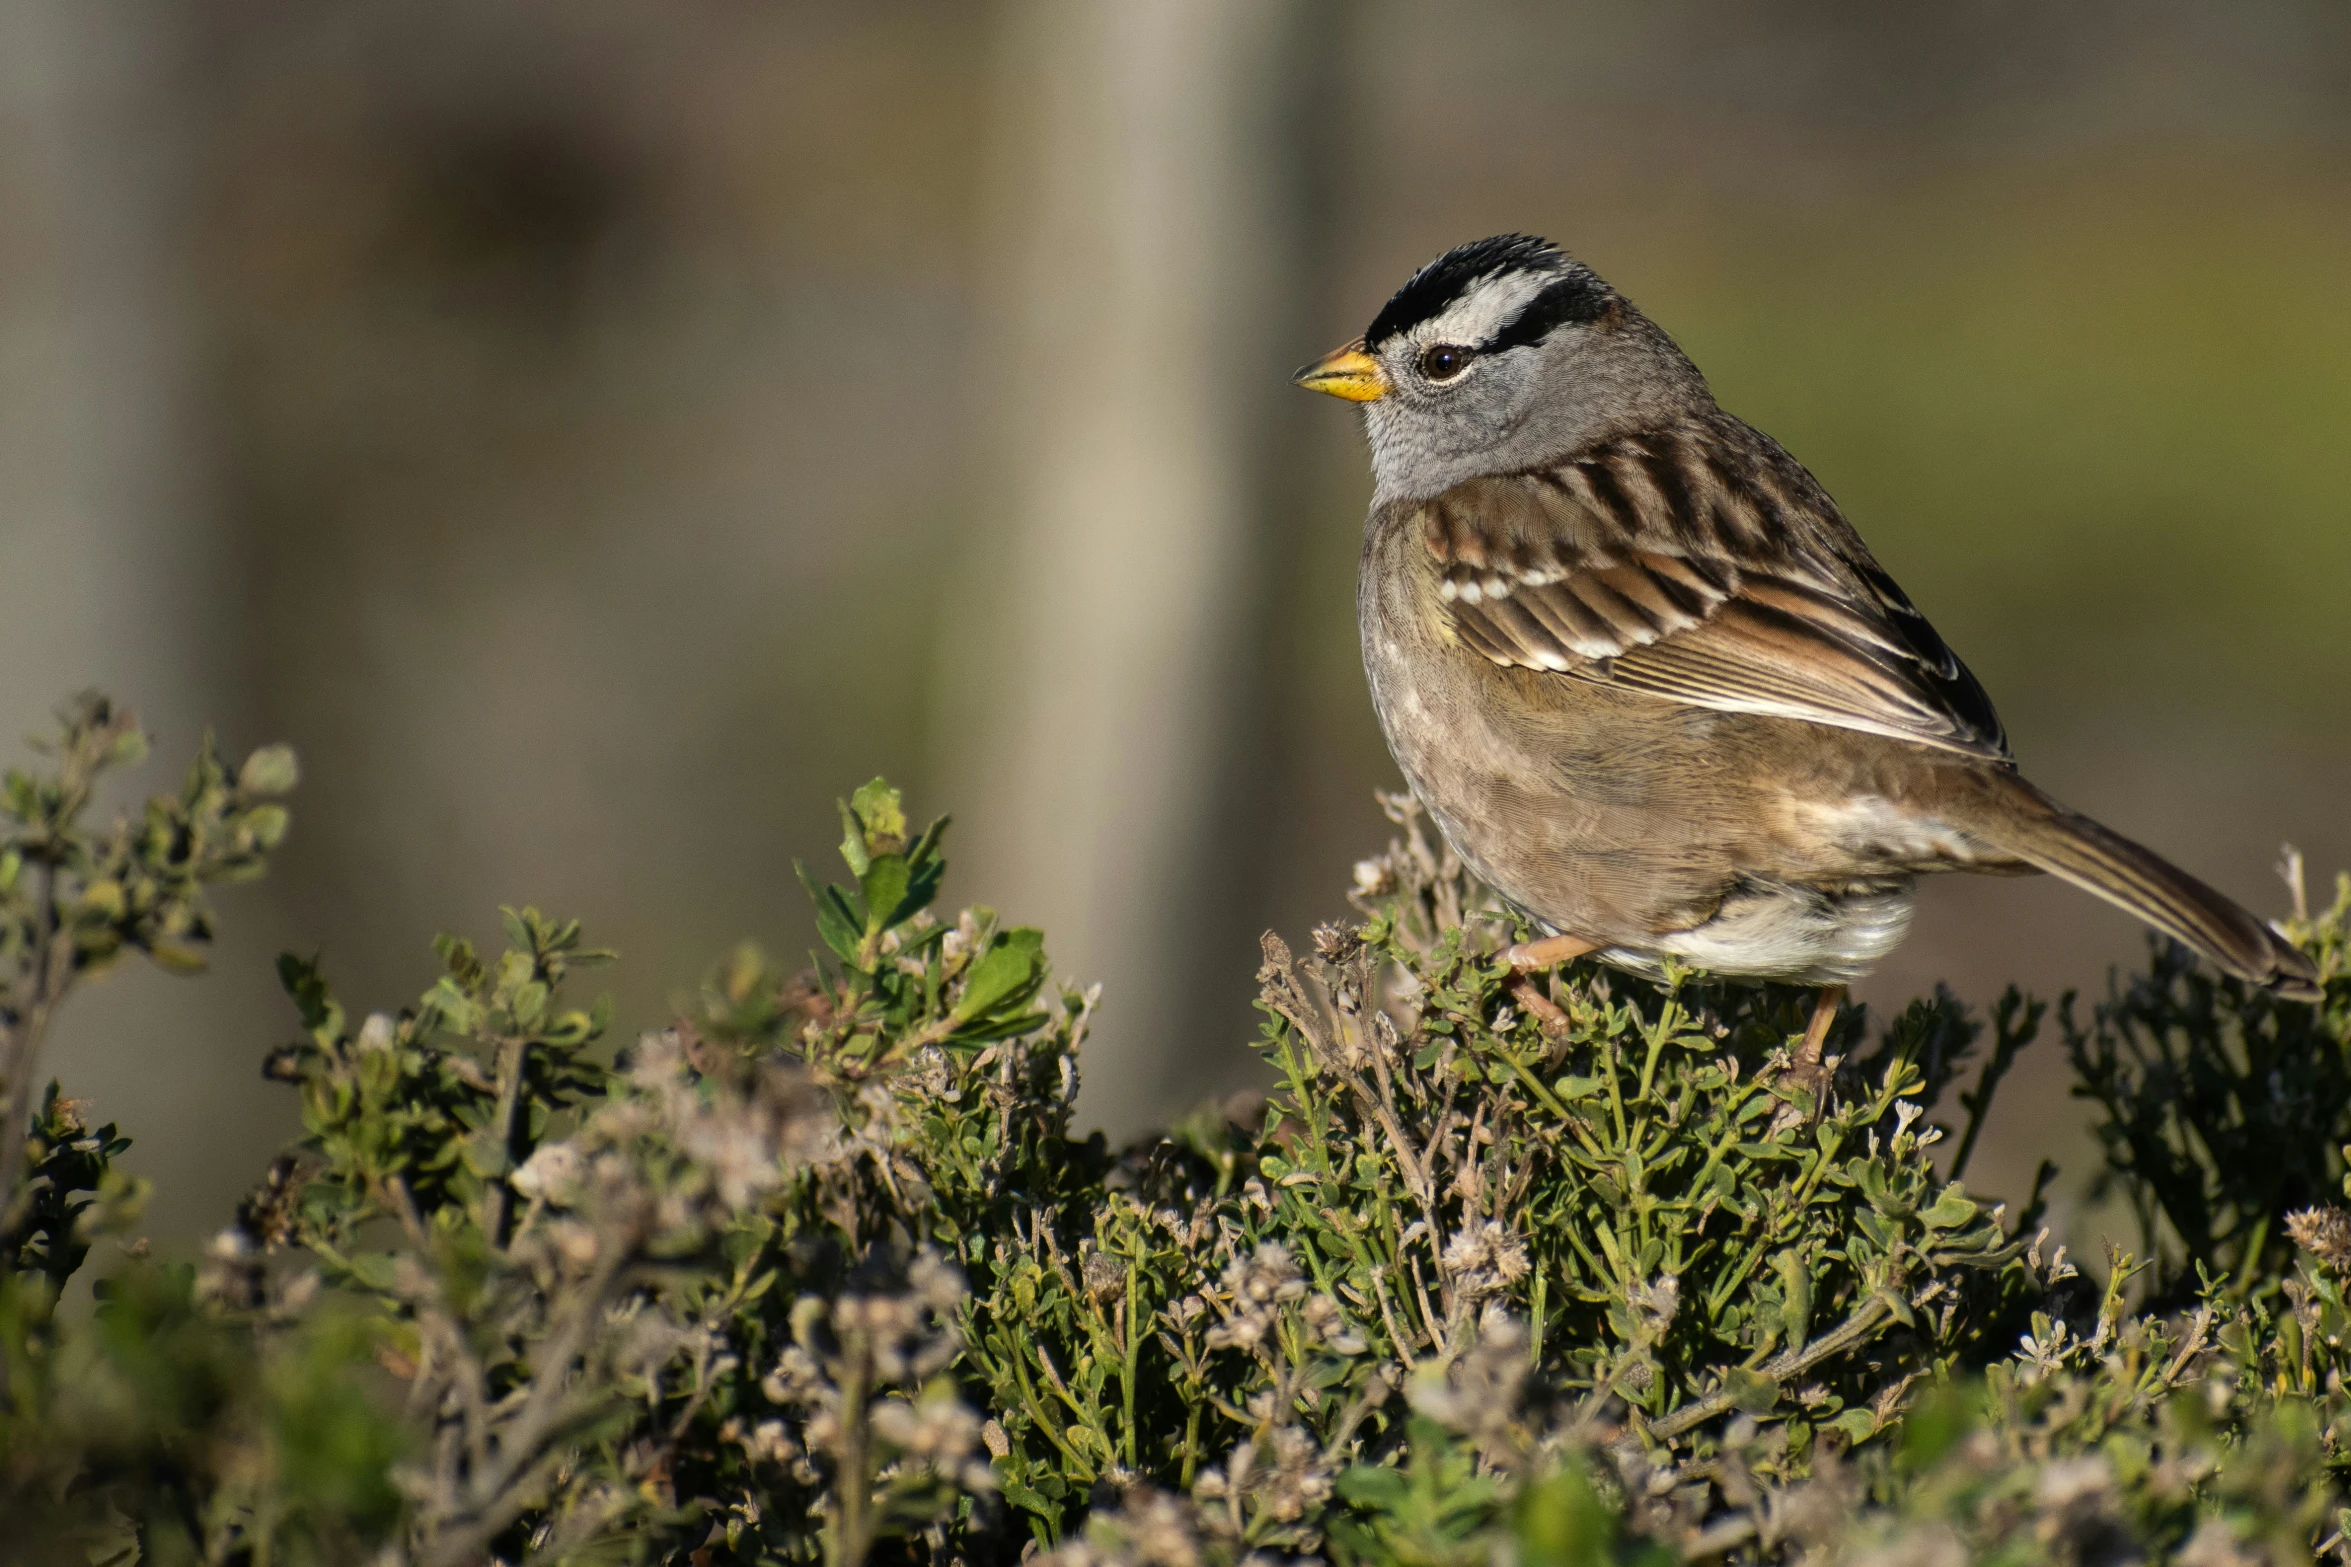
[(1434, 288)]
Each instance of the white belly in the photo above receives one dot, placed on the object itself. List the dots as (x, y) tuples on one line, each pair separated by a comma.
[(1803, 934)]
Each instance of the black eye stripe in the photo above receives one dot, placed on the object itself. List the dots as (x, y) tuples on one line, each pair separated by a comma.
[(1576, 296)]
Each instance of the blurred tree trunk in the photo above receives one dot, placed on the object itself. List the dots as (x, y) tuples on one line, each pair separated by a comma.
[(104, 580), (1145, 239), (115, 572)]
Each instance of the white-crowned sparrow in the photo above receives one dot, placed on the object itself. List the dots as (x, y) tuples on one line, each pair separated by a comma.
[(1646, 678)]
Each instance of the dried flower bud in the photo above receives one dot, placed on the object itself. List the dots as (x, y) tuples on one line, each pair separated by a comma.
[(574, 1242), (1157, 1529), (937, 1283), (768, 1442), (939, 1430), (267, 1213), (1106, 1279), (553, 1172), (2323, 1232), (1485, 1259), (1336, 943)]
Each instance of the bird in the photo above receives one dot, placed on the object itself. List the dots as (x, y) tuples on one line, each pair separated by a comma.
[(1648, 681)]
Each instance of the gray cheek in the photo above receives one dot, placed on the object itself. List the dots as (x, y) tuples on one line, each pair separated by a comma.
[(1412, 459)]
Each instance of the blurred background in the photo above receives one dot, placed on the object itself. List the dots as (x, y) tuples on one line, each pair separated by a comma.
[(600, 434)]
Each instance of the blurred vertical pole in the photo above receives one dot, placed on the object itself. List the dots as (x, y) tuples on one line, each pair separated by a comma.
[(1141, 256), (103, 581), (112, 572)]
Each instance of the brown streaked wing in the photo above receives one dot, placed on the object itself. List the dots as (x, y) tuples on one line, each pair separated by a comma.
[(1645, 565)]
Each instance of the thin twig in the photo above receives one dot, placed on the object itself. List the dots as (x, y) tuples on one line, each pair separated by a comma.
[(1792, 1364), (513, 1058), (24, 1050)]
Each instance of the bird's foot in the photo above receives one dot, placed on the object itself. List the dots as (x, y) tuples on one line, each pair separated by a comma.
[(1532, 957), (1816, 1032), (1808, 1071), (1546, 1012)]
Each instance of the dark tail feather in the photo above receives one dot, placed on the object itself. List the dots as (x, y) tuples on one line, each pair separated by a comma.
[(2015, 816)]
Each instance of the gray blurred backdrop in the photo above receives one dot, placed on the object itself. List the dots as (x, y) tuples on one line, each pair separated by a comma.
[(599, 434)]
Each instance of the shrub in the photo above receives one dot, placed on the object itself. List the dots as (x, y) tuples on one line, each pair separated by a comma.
[(1498, 1270)]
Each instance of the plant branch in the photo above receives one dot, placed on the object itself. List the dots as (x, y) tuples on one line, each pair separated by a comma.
[(1851, 1332)]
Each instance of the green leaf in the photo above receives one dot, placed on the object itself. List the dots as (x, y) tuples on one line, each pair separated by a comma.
[(375, 1269), (1008, 974), (1858, 1424), (833, 922), (743, 974), (883, 812), (267, 824), (175, 957), (1751, 1391), (1374, 1485), (308, 987), (1019, 1492), (270, 770), (1935, 1426), (1561, 1522), (853, 842), (458, 1012), (1796, 1298), (884, 885), (874, 823), (485, 1156), (1952, 1210)]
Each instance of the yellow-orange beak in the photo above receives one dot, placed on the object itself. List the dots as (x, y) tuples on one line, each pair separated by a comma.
[(1347, 372)]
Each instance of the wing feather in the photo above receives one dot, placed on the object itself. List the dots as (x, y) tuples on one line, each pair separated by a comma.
[(1704, 566)]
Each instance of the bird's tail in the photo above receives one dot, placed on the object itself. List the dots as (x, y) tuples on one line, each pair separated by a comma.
[(2012, 815)]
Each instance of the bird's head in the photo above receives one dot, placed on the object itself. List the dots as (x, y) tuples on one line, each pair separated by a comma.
[(1498, 356)]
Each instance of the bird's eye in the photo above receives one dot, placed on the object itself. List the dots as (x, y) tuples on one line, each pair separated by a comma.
[(1443, 362)]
